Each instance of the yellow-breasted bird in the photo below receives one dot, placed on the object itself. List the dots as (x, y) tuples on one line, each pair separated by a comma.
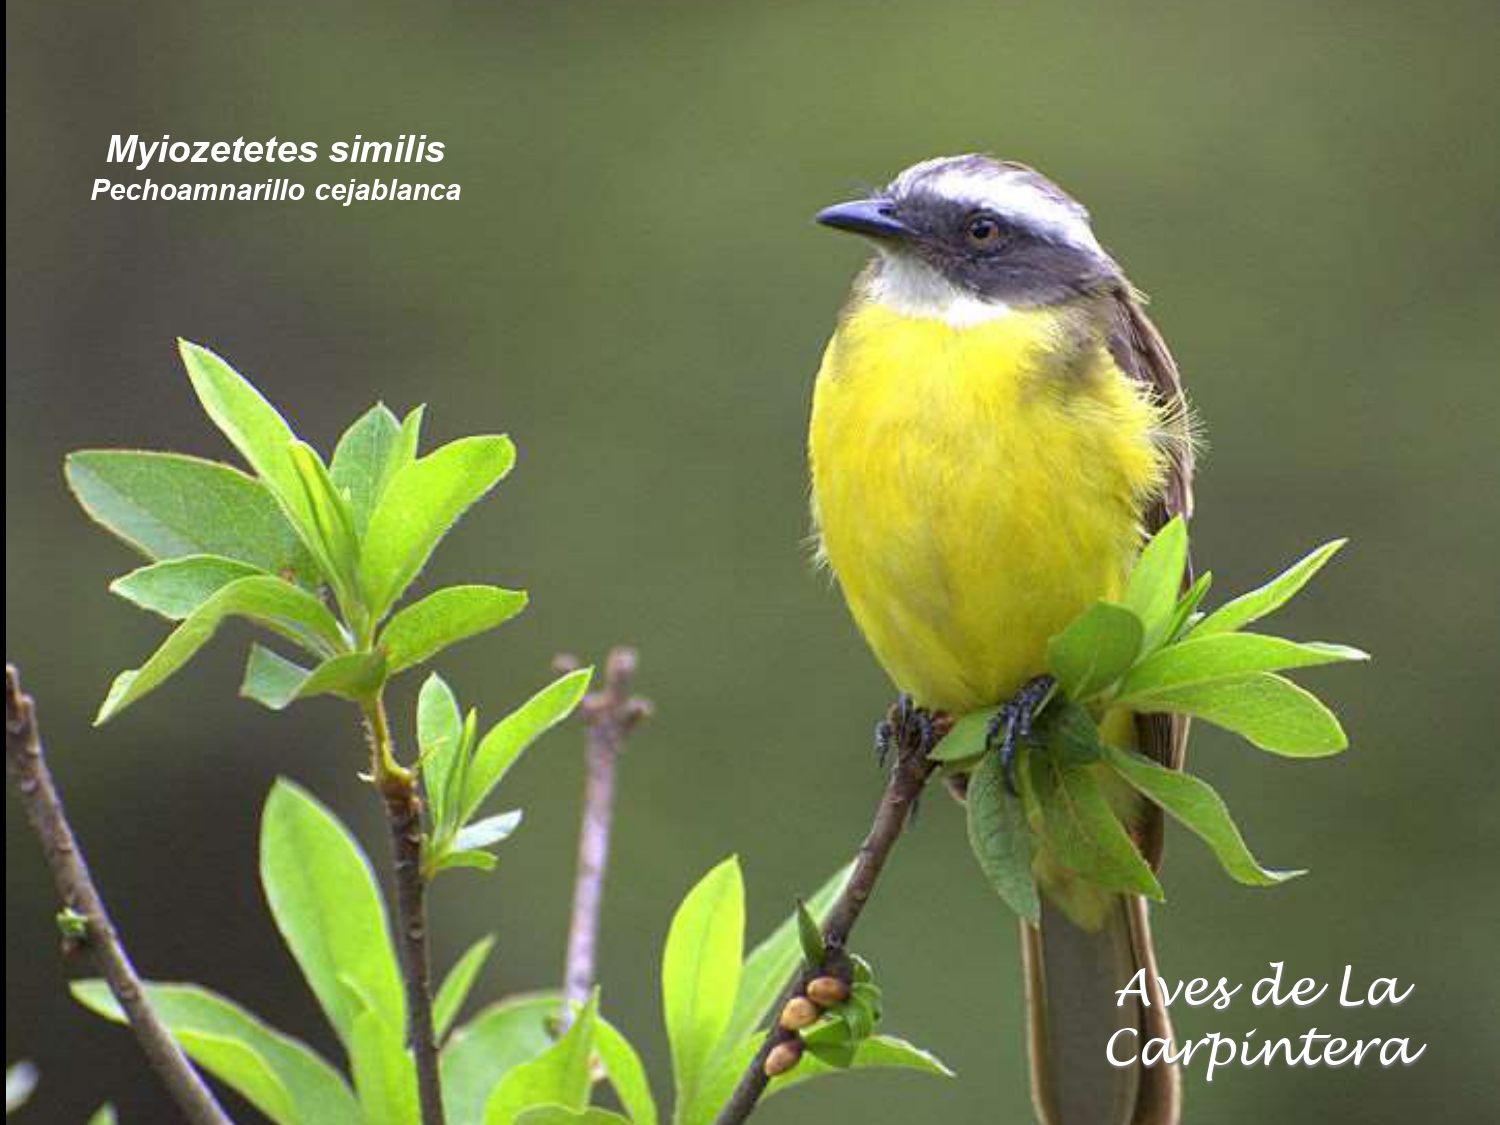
[(996, 427)]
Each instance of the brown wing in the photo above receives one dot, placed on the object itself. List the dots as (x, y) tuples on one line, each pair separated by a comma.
[(1142, 354)]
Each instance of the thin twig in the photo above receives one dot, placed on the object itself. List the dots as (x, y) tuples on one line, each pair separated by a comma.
[(27, 767), (908, 775), (609, 715), (404, 814)]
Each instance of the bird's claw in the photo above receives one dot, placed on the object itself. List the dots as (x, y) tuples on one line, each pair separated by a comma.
[(908, 726), (890, 730), (1012, 724), (912, 732)]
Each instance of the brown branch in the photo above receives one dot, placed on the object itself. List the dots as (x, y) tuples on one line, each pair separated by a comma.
[(908, 775), (609, 715), (26, 764), (404, 814)]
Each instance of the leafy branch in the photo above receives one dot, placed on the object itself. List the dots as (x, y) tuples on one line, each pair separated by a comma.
[(830, 977), (266, 547), (320, 555), (85, 921), (1152, 652)]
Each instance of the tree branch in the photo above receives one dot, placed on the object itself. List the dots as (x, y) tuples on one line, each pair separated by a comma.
[(908, 775), (26, 764), (609, 714), (404, 814)]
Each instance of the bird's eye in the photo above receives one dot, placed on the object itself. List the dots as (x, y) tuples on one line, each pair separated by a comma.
[(983, 231)]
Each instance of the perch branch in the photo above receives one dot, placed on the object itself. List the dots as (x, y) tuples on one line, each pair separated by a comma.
[(26, 764), (609, 715), (404, 815), (908, 775)]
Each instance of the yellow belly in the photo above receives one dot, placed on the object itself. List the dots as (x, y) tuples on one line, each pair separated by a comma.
[(972, 494)]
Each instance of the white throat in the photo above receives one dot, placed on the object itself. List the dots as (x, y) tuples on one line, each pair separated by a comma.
[(912, 288)]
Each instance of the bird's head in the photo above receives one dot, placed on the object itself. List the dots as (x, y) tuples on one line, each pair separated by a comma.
[(970, 237)]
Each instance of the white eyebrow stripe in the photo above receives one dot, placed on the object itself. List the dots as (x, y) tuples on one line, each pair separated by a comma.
[(1006, 191)]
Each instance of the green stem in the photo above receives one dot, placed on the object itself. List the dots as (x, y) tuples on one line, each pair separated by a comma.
[(389, 776)]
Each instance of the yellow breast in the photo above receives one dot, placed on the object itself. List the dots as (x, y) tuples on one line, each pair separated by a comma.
[(974, 488)]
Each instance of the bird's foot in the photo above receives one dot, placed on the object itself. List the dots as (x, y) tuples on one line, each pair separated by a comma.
[(909, 728), (912, 732), (1012, 724)]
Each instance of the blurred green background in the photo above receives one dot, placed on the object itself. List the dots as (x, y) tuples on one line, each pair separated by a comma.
[(631, 286)]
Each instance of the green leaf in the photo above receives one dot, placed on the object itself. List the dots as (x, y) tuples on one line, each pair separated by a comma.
[(877, 1051), (244, 1070), (406, 448), (1194, 803), (439, 721), (251, 424), (860, 1014), (832, 1044), (1156, 580), (868, 997), (490, 830), (468, 739), (279, 606), (558, 1076), (771, 963), (421, 503), (425, 628), (1221, 656), (508, 739), (350, 675), (762, 978), (967, 740), (276, 683), (358, 676), (1083, 832), (384, 1073), (1071, 735), (1001, 838), (1094, 650), (483, 1051), (364, 460), (176, 587), (169, 506), (456, 985), (440, 740), (104, 1115), (814, 951), (560, 1115), (1271, 712), (330, 531), (1268, 598), (700, 973), (196, 1015), (452, 857), (271, 679), (623, 1067), (327, 906), (1187, 606), (72, 925)]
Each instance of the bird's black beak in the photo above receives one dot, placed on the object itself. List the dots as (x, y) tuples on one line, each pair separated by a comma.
[(873, 218)]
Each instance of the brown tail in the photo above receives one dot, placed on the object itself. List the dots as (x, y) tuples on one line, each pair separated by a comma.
[(1072, 976)]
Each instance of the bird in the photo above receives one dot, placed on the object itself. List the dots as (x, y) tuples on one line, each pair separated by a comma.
[(996, 429)]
